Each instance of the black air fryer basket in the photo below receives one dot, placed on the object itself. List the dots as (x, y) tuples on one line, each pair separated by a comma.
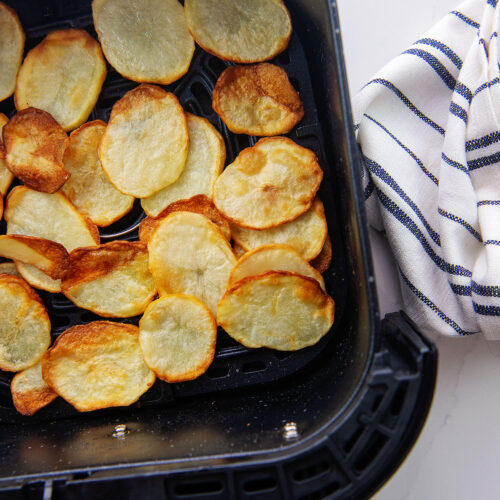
[(330, 421)]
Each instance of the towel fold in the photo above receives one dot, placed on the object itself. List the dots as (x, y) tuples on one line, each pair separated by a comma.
[(429, 128)]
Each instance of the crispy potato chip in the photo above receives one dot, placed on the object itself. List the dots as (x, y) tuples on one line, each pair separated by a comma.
[(29, 391), (145, 144), (11, 49), (323, 260), (204, 163), (268, 184), (24, 325), (6, 176), (278, 309), (239, 30), (188, 254), (238, 250), (1, 206), (199, 204), (144, 40), (111, 280), (177, 336), (34, 148), (62, 75), (98, 365), (273, 258), (306, 234), (9, 268), (49, 216), (46, 255), (88, 188), (257, 100)]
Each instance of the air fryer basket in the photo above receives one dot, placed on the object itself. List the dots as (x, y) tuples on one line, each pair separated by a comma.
[(332, 420)]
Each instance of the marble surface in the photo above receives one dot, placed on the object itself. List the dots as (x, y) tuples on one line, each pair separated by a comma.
[(457, 455)]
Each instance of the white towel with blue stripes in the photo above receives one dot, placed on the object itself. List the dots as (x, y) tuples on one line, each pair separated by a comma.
[(429, 129)]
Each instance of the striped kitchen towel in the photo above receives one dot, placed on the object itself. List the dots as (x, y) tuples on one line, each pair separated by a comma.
[(429, 129)]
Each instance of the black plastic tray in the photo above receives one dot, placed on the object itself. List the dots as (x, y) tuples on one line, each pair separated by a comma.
[(234, 365)]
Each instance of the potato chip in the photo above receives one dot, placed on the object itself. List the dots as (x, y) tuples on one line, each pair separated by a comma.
[(257, 100), (6, 176), (9, 268), (323, 260), (238, 250), (239, 30), (97, 365), (11, 49), (29, 391), (48, 256), (111, 280), (188, 254), (177, 336), (24, 325), (268, 184), (62, 75), (144, 40), (199, 204), (34, 148), (204, 163), (49, 216), (306, 234), (145, 144), (278, 309), (273, 258), (88, 188)]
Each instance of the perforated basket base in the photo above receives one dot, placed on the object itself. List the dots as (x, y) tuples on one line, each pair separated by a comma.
[(234, 365)]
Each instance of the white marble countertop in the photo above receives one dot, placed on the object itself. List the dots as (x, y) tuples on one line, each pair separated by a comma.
[(457, 455)]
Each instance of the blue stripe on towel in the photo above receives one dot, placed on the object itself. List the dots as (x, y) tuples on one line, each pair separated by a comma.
[(407, 102), (454, 163), (484, 161), (452, 56), (492, 242), (461, 289), (488, 202), (406, 221), (436, 65), (370, 187), (483, 142), (432, 177), (486, 310), (462, 222), (379, 172), (433, 307), (458, 111), (465, 19), (486, 290)]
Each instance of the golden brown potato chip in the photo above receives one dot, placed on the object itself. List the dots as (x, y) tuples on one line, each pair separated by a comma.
[(239, 30), (49, 216), (1, 206), (98, 365), (273, 258), (62, 75), (177, 336), (11, 49), (257, 100), (24, 325), (199, 204), (278, 309), (268, 184), (188, 254), (323, 260), (29, 391), (88, 188), (144, 40), (48, 256), (111, 280), (6, 176), (34, 149), (306, 234), (204, 163), (9, 268), (145, 144)]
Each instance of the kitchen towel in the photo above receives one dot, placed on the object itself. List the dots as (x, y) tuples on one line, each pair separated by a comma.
[(429, 129)]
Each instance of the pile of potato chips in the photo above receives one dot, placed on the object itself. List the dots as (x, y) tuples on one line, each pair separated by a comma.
[(241, 247)]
